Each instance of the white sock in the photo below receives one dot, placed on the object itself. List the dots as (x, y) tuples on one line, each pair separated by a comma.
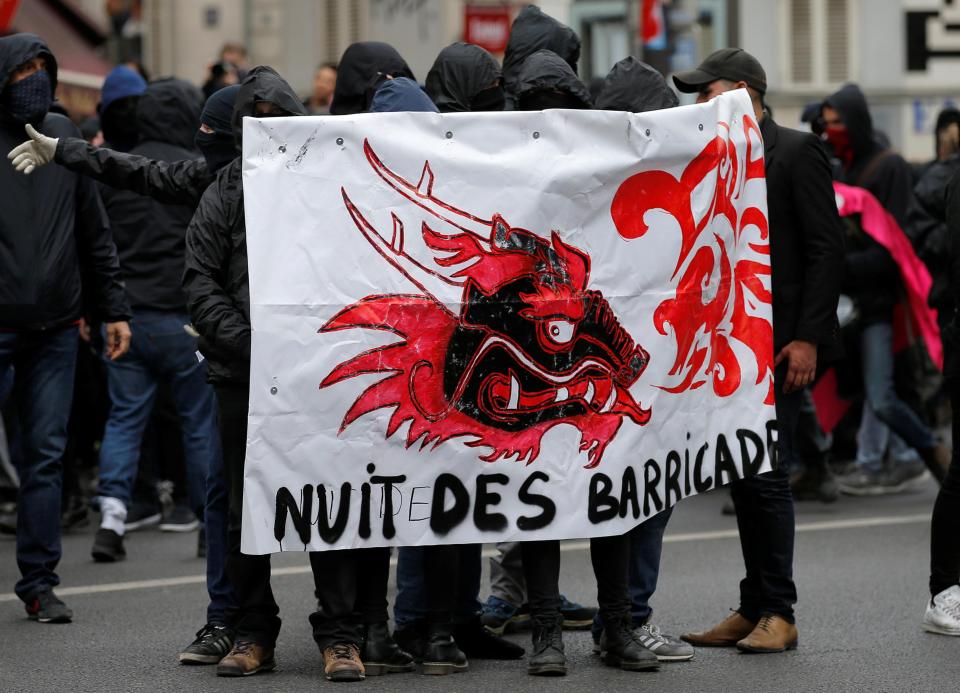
[(113, 513)]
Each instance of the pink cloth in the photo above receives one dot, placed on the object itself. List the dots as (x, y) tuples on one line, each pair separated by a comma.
[(883, 228)]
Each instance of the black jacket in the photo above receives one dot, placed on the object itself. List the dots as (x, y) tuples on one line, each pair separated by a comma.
[(928, 230), (532, 31), (545, 70), (150, 235), (636, 87), (460, 72), (176, 182), (55, 243), (362, 68), (951, 333), (806, 239), (215, 274)]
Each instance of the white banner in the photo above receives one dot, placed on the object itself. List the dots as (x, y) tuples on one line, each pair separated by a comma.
[(501, 326)]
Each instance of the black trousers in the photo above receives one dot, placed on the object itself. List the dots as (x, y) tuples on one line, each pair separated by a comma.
[(610, 557), (945, 530), (257, 611), (765, 518), (351, 591)]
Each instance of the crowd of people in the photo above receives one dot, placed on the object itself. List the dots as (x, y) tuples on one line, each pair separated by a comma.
[(125, 353)]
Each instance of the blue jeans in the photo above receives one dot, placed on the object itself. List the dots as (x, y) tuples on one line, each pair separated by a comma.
[(410, 606), (161, 350), (646, 545), (44, 365), (876, 349)]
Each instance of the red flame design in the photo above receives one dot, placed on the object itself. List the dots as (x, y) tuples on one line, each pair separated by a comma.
[(704, 327)]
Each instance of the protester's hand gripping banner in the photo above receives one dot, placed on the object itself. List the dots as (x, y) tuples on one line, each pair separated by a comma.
[(511, 326)]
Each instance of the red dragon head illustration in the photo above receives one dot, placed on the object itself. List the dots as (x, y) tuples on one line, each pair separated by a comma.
[(531, 348)]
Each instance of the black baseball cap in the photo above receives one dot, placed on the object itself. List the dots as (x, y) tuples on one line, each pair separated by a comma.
[(734, 64)]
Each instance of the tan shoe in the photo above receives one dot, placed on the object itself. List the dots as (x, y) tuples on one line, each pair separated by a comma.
[(341, 662), (772, 634), (246, 658), (725, 634)]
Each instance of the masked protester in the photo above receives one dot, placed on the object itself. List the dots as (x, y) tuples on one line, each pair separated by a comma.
[(636, 87), (532, 31), (465, 77), (176, 182), (872, 280), (118, 108), (437, 608), (215, 284), (362, 69), (547, 81), (52, 232)]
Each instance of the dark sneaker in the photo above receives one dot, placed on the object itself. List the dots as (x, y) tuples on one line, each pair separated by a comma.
[(179, 518), (380, 653), (8, 521), (904, 476), (47, 608), (140, 516), (576, 616), (666, 647), (107, 546), (212, 644), (619, 648), (75, 514), (442, 656), (548, 658), (202, 543), (500, 617), (246, 658), (815, 484), (412, 639), (862, 482), (477, 642)]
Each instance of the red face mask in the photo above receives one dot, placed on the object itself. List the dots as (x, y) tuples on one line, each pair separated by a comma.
[(839, 140)]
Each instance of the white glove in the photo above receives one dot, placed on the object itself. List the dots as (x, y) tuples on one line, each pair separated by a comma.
[(36, 151)]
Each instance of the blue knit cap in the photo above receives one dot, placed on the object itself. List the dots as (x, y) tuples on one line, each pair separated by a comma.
[(120, 83)]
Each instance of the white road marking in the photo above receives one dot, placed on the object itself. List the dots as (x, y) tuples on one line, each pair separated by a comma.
[(857, 523)]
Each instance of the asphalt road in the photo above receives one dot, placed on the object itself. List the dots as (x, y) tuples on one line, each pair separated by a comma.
[(861, 569)]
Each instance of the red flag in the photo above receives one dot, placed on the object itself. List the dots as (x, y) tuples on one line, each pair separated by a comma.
[(8, 8)]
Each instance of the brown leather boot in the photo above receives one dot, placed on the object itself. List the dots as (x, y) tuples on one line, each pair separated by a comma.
[(725, 634), (341, 662), (246, 658), (772, 634)]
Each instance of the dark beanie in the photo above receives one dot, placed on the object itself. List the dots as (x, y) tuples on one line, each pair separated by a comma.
[(218, 110)]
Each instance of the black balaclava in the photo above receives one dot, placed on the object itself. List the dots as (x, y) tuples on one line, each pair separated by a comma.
[(28, 100), (489, 99), (219, 147), (542, 99), (118, 122)]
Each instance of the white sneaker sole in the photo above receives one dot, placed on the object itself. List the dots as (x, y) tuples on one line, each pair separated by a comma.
[(932, 628)]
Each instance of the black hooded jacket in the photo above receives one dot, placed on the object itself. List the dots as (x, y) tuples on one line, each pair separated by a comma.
[(460, 72), (362, 68), (871, 276), (636, 87), (951, 331), (880, 170), (149, 234), (932, 238), (532, 31), (545, 70), (55, 240), (215, 274)]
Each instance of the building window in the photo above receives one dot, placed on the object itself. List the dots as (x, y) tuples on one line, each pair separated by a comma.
[(819, 50)]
